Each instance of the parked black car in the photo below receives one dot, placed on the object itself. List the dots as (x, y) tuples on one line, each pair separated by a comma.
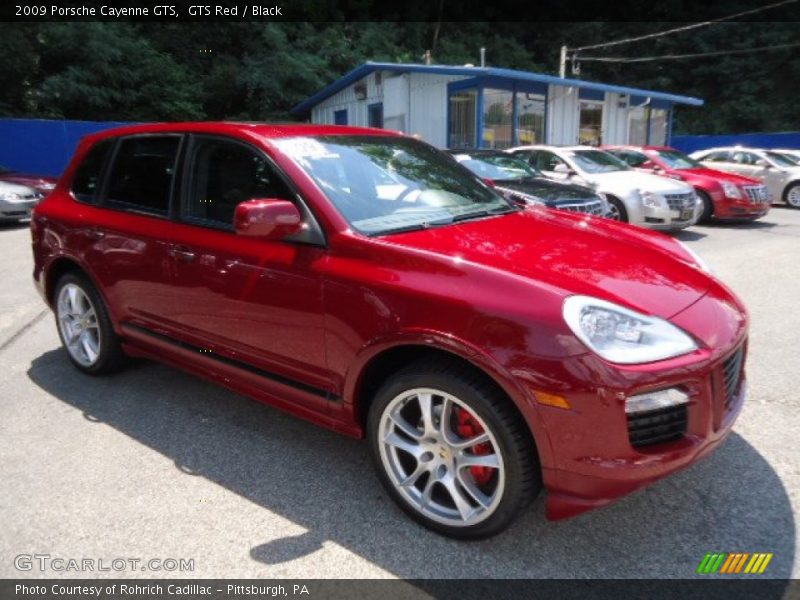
[(520, 182)]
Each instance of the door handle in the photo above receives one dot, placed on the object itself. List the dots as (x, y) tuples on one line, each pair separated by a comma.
[(183, 254), (95, 234)]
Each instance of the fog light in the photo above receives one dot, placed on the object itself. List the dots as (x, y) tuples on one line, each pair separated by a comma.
[(655, 400)]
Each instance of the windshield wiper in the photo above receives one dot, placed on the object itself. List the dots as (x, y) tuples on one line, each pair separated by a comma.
[(487, 212)]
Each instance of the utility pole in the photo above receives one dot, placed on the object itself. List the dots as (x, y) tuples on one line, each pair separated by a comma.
[(562, 65)]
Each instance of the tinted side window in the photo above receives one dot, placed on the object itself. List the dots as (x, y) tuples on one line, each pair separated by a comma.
[(87, 177), (634, 159), (224, 174), (547, 161), (142, 174), (719, 156)]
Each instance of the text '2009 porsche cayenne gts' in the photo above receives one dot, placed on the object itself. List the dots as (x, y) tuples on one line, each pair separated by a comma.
[(369, 283)]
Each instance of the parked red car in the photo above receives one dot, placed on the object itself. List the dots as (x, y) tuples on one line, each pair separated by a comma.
[(41, 183), (367, 282), (724, 195)]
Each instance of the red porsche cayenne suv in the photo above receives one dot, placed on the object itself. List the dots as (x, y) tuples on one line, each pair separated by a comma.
[(369, 283)]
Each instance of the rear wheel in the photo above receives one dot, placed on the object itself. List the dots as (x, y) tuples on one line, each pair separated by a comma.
[(451, 451), (708, 207), (791, 194), (84, 326), (616, 210)]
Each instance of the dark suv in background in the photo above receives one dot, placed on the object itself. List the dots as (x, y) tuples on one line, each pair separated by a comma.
[(521, 183)]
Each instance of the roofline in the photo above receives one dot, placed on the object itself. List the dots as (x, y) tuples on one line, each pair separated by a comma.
[(369, 67)]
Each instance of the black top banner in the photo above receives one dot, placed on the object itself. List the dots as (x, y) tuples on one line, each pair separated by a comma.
[(408, 10)]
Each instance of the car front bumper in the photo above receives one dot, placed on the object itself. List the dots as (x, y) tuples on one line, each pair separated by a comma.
[(15, 211), (738, 208), (590, 459)]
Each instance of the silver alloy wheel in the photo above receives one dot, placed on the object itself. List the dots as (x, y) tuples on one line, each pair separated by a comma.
[(77, 321), (793, 197), (429, 463), (613, 212)]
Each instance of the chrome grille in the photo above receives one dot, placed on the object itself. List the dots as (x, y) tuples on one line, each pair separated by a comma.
[(680, 201), (757, 193), (732, 375), (592, 207)]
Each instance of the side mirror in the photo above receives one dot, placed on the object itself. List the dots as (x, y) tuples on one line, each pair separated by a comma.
[(269, 219)]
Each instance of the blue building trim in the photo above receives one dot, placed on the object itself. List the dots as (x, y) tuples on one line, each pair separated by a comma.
[(507, 74)]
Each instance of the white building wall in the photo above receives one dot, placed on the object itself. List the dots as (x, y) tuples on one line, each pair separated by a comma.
[(322, 113), (420, 97), (428, 107), (562, 115), (615, 119)]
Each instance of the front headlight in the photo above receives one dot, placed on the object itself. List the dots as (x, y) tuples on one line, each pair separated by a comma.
[(650, 199), (9, 197), (623, 336), (731, 190)]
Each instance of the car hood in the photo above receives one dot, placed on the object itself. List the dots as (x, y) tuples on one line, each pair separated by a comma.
[(636, 179), (715, 175), (551, 192), (572, 254)]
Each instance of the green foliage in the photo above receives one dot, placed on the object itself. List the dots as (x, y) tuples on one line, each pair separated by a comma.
[(258, 71)]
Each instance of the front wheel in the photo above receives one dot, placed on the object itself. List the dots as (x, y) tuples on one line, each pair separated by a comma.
[(451, 450), (792, 194), (616, 210), (708, 207)]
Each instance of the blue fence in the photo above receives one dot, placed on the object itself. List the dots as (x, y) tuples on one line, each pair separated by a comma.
[(41, 146), (784, 139)]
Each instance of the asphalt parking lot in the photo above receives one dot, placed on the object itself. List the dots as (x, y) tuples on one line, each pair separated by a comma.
[(153, 463)]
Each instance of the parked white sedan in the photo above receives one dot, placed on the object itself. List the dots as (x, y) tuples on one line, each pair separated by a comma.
[(778, 173), (640, 198)]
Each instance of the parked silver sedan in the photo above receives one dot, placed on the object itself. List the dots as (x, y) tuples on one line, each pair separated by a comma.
[(778, 173), (17, 201)]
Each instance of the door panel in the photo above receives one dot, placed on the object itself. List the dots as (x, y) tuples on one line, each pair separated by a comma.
[(256, 301), (129, 237)]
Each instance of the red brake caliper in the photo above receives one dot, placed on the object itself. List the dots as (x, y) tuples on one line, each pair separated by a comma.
[(469, 427)]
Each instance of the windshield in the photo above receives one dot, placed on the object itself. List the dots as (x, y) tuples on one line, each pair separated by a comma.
[(677, 160), (496, 166), (390, 184), (595, 161), (795, 160), (779, 159)]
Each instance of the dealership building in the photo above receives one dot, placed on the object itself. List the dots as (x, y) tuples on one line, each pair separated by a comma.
[(487, 107)]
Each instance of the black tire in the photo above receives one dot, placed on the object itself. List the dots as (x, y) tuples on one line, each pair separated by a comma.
[(708, 207), (110, 356), (514, 442), (617, 205), (786, 192)]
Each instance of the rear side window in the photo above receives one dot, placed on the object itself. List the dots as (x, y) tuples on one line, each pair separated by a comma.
[(87, 178), (142, 174), (718, 156), (634, 159)]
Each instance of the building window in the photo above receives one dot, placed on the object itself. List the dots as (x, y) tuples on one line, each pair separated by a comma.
[(340, 117), (375, 115), (658, 127), (463, 115), (530, 119), (591, 123), (498, 119)]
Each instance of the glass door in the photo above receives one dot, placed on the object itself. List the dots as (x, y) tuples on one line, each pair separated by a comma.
[(463, 118), (591, 123)]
